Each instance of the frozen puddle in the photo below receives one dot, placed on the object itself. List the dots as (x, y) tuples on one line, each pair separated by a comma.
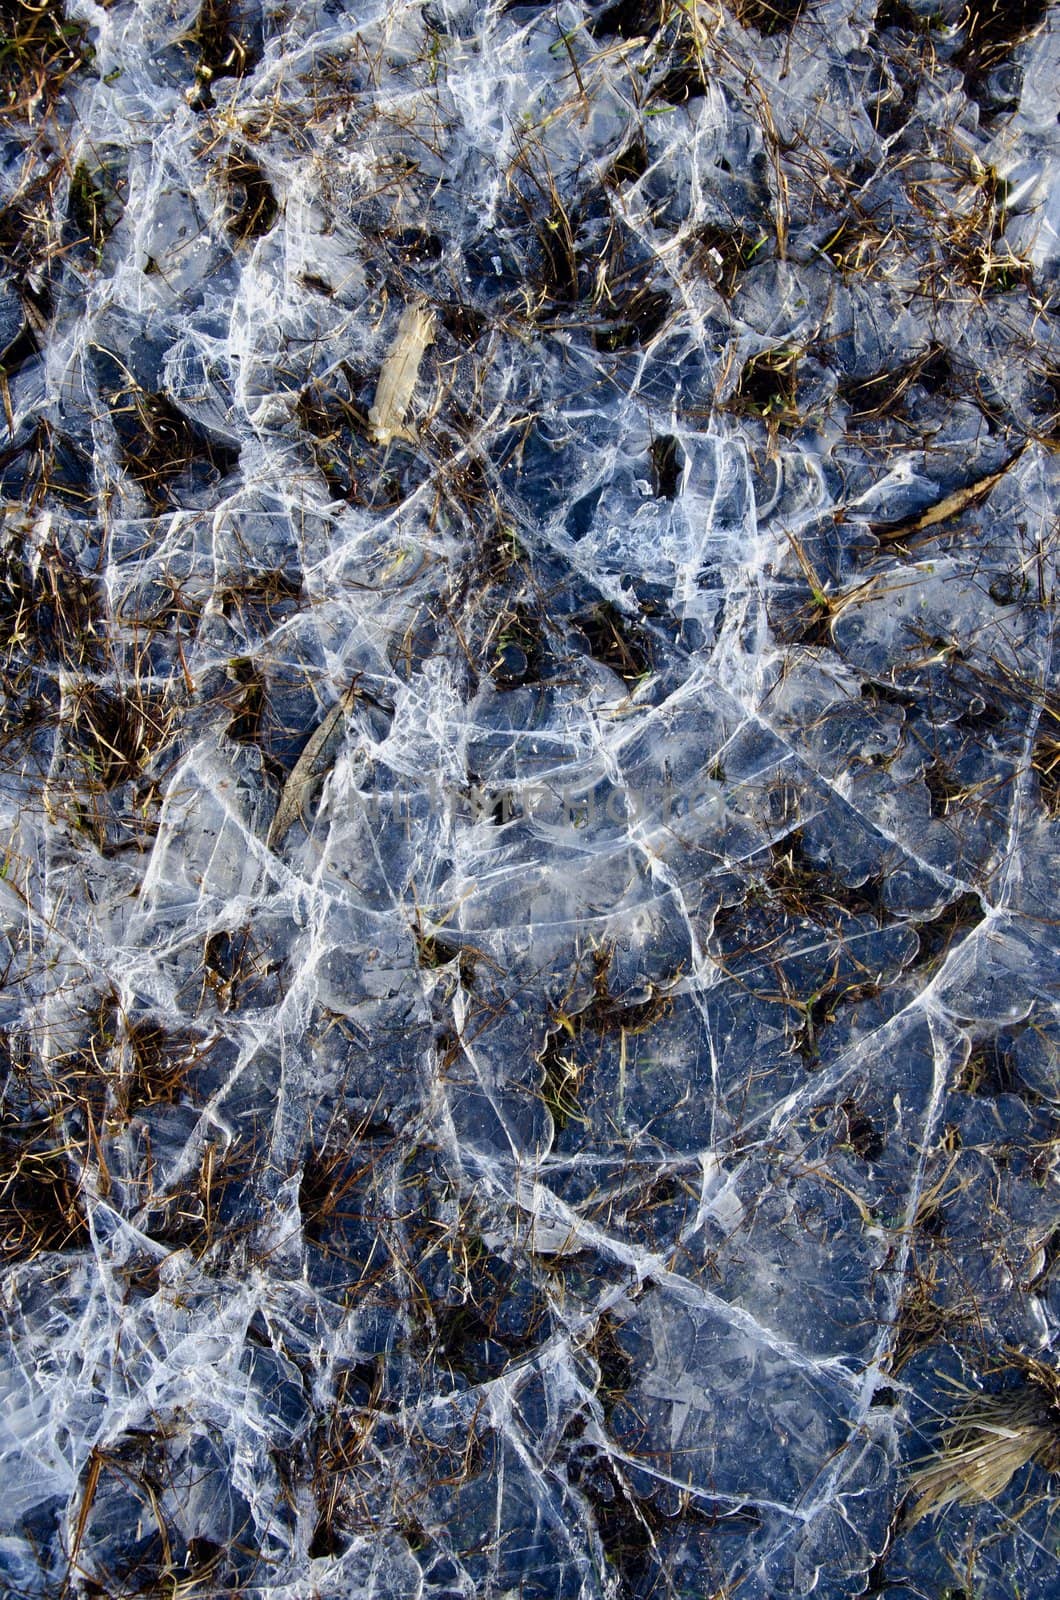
[(530, 797)]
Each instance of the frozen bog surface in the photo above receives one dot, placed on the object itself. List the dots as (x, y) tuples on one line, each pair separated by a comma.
[(529, 1024)]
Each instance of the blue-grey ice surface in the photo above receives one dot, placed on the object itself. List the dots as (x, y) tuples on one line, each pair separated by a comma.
[(592, 1153)]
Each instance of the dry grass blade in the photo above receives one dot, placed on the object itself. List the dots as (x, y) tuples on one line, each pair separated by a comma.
[(309, 769), (950, 505), (39, 49), (400, 371), (987, 1443), (40, 1207), (115, 732)]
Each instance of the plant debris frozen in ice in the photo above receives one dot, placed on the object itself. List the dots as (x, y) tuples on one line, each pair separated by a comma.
[(529, 1028)]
